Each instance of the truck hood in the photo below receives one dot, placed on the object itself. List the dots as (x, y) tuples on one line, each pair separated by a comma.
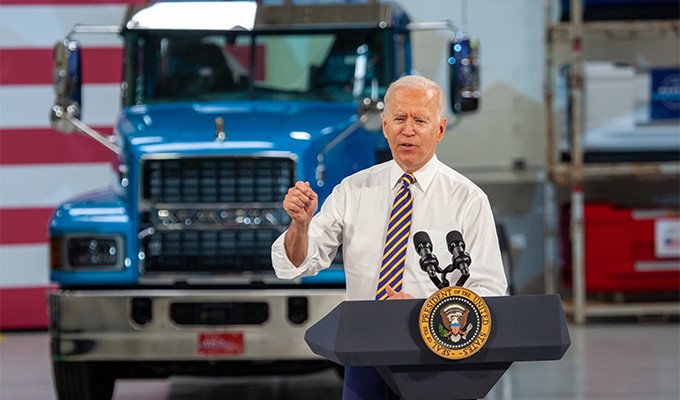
[(253, 128)]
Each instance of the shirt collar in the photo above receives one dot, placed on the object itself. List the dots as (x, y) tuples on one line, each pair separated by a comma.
[(423, 176)]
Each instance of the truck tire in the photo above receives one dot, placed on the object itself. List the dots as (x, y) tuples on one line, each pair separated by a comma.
[(82, 381)]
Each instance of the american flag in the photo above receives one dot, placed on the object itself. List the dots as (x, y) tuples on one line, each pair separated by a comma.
[(39, 167)]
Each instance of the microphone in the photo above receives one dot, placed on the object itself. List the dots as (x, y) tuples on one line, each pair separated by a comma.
[(428, 261), (461, 259)]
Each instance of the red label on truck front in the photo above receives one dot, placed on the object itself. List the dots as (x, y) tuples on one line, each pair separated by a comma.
[(210, 344)]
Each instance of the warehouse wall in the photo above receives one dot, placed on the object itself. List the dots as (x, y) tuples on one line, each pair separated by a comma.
[(509, 125)]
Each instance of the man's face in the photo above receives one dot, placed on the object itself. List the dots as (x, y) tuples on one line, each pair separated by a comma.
[(412, 128)]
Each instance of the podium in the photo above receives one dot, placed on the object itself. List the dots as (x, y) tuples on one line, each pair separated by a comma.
[(386, 335)]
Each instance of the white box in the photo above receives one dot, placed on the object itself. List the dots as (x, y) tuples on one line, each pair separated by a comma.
[(609, 97)]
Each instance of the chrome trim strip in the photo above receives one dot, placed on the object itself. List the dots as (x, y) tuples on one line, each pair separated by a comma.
[(212, 206)]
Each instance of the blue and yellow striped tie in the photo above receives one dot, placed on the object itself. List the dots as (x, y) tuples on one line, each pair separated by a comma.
[(396, 240)]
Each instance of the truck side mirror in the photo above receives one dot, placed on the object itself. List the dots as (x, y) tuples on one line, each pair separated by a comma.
[(464, 73), (67, 85)]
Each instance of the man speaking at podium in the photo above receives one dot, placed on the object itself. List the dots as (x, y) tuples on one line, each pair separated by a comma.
[(374, 213)]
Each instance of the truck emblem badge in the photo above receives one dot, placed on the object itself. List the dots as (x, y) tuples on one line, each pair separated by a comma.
[(454, 323), (220, 134)]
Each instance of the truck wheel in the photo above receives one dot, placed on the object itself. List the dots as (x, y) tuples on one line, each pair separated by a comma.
[(82, 381)]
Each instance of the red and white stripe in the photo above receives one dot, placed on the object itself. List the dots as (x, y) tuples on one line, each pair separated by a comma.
[(39, 167)]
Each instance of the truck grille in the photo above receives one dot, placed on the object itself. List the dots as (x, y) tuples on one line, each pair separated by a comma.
[(212, 215), (190, 251), (217, 180)]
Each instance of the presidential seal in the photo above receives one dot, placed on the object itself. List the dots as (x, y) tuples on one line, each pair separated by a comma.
[(454, 322)]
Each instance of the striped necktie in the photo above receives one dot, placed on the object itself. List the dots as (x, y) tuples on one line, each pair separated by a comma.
[(396, 240)]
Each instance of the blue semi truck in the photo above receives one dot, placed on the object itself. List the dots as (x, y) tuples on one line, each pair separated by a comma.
[(224, 106)]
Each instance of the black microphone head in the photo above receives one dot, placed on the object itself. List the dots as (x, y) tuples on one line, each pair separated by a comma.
[(421, 239), (453, 238)]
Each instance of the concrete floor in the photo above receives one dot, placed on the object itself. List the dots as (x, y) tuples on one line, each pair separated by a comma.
[(621, 361)]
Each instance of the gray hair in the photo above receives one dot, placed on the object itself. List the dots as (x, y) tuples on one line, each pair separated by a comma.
[(419, 82)]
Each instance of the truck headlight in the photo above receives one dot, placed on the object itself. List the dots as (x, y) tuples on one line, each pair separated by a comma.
[(101, 252)]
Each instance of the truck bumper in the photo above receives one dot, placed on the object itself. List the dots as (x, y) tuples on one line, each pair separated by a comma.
[(186, 325)]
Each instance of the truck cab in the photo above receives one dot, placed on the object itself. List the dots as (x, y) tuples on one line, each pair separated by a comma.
[(225, 105)]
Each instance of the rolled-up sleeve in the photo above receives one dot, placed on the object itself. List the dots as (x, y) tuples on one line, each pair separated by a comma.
[(285, 269), (325, 233)]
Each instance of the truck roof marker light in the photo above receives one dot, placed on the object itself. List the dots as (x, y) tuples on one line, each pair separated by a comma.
[(203, 15)]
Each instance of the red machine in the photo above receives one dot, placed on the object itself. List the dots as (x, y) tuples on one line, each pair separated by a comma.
[(627, 250)]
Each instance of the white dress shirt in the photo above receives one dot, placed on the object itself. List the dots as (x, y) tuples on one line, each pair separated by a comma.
[(356, 215)]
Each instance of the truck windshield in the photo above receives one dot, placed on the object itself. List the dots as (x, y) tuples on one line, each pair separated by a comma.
[(329, 66)]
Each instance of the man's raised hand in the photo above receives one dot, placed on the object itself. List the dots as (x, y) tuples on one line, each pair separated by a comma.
[(301, 203)]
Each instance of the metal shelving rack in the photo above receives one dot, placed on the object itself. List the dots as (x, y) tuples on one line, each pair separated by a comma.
[(575, 173)]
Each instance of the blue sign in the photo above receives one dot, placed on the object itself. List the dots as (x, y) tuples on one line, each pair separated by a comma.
[(665, 94)]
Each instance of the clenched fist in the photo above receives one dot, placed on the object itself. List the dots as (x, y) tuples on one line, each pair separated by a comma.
[(301, 203)]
